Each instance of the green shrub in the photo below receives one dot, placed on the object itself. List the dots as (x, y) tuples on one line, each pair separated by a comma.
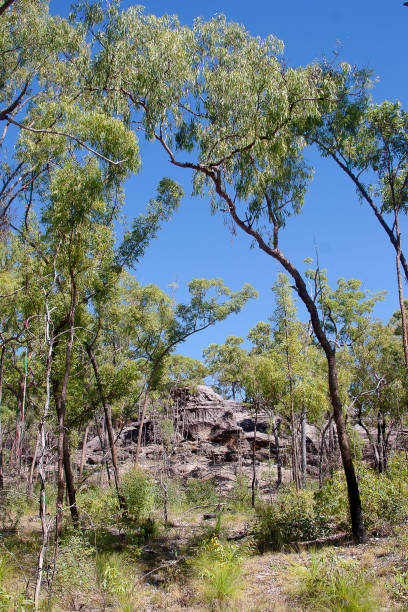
[(218, 565), (240, 495), (140, 493), (199, 492), (111, 573), (292, 518), (75, 568), (13, 505), (98, 506), (324, 583), (384, 497)]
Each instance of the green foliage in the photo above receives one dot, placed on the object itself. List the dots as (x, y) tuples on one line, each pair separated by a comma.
[(199, 492), (398, 587), (111, 574), (292, 518), (100, 507), (218, 565), (240, 495), (139, 492), (383, 497), (75, 568), (13, 505), (225, 363), (325, 582)]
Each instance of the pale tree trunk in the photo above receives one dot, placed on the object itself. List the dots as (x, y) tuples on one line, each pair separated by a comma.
[(105, 462), (32, 468), (276, 431), (303, 448), (141, 423), (254, 478), (321, 451), (401, 293), (83, 452), (41, 460), (3, 350), (23, 403)]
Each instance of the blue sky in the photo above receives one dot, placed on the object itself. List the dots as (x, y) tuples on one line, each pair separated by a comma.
[(349, 240)]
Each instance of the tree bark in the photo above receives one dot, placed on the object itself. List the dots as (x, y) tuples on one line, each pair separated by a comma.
[(69, 479), (83, 452), (401, 293), (213, 173), (41, 461), (60, 394), (254, 478), (276, 428), (303, 448), (108, 421), (32, 468), (3, 350)]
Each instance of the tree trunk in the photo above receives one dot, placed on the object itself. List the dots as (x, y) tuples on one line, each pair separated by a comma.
[(60, 394), (32, 468), (23, 402), (214, 174), (141, 423), (276, 429), (108, 422), (254, 478), (83, 452), (19, 420), (69, 479), (3, 350), (41, 462), (400, 293), (103, 449), (321, 453), (303, 448)]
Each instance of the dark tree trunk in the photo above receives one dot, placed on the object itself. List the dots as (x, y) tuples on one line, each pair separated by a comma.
[(108, 421), (214, 174), (69, 478)]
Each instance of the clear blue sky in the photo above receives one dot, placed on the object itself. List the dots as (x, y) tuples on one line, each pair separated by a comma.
[(350, 242)]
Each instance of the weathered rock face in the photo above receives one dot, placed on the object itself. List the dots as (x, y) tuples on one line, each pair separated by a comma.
[(215, 439), (207, 416)]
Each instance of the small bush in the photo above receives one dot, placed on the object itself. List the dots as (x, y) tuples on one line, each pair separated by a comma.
[(290, 519), (241, 493), (218, 565), (99, 507), (75, 569), (13, 505), (110, 573), (324, 583), (384, 497), (200, 492), (140, 494)]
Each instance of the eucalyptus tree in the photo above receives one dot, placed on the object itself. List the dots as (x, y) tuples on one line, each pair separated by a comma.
[(224, 106), (369, 142), (225, 363), (156, 325), (378, 388), (44, 99)]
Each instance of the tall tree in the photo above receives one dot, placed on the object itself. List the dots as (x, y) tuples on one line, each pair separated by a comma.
[(227, 98), (369, 142)]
